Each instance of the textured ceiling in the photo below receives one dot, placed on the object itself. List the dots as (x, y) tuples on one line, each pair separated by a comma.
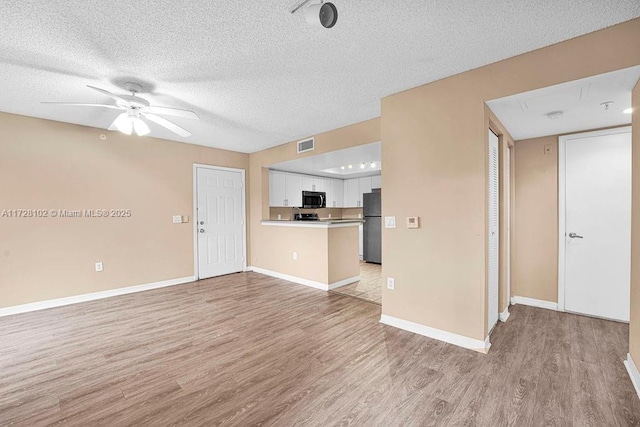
[(525, 114), (255, 74)]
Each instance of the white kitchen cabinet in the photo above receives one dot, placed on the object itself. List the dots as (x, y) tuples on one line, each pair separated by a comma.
[(285, 189), (320, 184), (365, 186), (335, 199), (294, 189), (277, 189), (307, 183), (352, 195), (376, 181)]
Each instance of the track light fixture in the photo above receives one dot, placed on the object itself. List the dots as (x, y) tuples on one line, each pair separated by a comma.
[(323, 14)]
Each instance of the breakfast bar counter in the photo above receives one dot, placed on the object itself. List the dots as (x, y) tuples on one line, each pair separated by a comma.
[(323, 254)]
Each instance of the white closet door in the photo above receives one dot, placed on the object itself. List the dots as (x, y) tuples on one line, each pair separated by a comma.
[(493, 218), (597, 241)]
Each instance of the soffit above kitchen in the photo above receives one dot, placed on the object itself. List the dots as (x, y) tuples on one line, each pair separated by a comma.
[(352, 162), (257, 75), (595, 102)]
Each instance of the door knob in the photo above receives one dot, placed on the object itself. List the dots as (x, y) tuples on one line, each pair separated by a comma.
[(202, 230), (201, 222), (575, 236)]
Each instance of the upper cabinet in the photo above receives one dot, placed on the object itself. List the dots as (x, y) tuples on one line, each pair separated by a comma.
[(277, 188), (376, 181), (352, 196), (335, 197), (285, 189), (294, 189)]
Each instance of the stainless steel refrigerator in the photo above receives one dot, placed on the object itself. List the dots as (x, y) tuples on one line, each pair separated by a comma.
[(372, 210)]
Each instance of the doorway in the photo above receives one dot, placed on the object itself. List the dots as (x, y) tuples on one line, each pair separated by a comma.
[(219, 221), (595, 223)]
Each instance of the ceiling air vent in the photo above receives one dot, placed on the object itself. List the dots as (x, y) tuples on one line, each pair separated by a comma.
[(306, 145)]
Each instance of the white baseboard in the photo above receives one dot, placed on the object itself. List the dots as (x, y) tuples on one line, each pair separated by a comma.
[(448, 337), (549, 305), (505, 315), (633, 373), (41, 305), (306, 282)]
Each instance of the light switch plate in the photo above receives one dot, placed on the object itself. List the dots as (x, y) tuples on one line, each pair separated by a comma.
[(99, 266), (177, 219), (389, 222), (185, 219), (413, 222)]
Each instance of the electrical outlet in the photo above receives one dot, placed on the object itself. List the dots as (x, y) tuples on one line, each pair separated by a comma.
[(185, 218), (329, 216), (391, 283), (279, 217), (177, 219), (99, 266), (295, 256)]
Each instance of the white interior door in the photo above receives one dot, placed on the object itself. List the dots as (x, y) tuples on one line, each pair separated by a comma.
[(597, 226), (494, 231), (220, 221)]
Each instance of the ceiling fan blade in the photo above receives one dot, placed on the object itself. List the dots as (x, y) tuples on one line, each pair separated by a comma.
[(167, 124), (109, 94), (77, 104), (175, 112)]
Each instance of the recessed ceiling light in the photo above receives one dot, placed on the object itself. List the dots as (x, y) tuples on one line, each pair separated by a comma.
[(373, 164), (362, 165), (555, 115), (350, 166), (628, 111), (342, 167)]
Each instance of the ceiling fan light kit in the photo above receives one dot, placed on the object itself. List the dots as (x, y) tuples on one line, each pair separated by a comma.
[(135, 109)]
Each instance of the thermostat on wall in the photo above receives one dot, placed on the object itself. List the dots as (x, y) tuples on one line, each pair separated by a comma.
[(413, 222)]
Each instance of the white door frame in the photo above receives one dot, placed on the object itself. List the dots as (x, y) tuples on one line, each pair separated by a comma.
[(196, 272), (562, 231)]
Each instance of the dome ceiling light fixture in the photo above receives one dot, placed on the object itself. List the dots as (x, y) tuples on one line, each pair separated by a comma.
[(318, 14)]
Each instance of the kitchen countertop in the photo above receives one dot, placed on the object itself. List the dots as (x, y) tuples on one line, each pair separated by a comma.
[(323, 223)]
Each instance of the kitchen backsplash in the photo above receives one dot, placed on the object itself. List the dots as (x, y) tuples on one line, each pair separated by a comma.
[(336, 213)]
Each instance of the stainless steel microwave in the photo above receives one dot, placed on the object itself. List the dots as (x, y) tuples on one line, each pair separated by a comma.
[(314, 199)]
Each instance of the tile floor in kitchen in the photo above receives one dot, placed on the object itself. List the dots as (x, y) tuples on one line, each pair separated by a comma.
[(370, 285)]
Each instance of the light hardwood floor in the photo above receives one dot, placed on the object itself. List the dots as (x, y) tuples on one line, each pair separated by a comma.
[(248, 350), (370, 285)]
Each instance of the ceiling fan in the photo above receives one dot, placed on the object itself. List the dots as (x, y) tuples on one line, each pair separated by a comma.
[(135, 109)]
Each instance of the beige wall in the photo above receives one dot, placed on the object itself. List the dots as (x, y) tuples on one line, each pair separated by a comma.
[(344, 261), (277, 245), (324, 255), (535, 250), (634, 326), (434, 145), (52, 165)]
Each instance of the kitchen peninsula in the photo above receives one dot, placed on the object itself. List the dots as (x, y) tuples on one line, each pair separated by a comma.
[(321, 254)]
